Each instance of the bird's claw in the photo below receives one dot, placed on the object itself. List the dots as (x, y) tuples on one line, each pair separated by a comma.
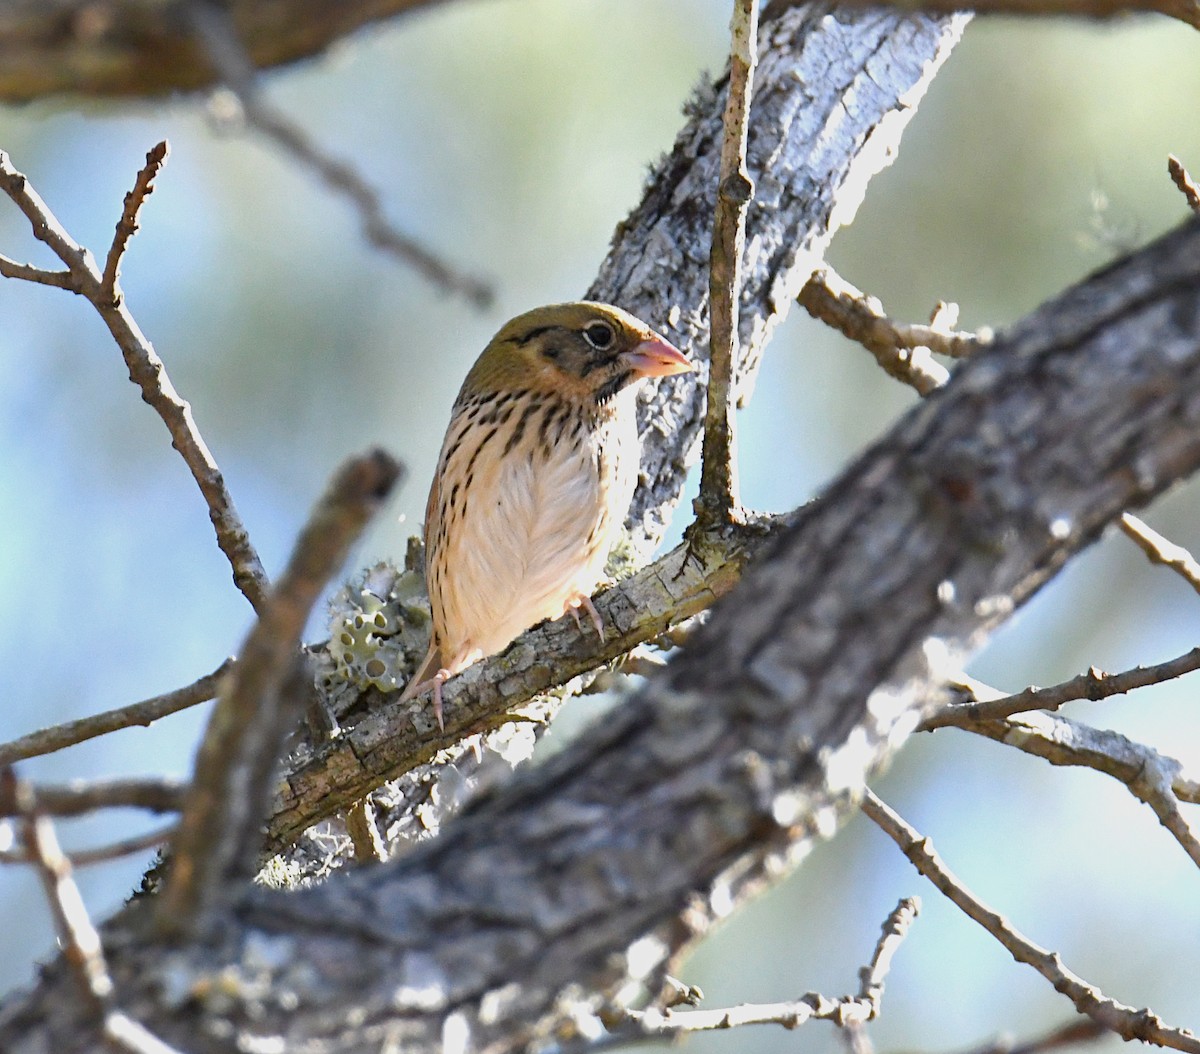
[(585, 602)]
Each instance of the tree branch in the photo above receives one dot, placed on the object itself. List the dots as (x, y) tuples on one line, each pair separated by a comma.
[(718, 499), (756, 739), (1126, 1021), (1095, 685), (57, 737), (809, 61), (219, 832), (146, 369), (214, 26), (845, 1011)]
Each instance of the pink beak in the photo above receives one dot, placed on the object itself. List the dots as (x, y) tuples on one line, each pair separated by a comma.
[(655, 357)]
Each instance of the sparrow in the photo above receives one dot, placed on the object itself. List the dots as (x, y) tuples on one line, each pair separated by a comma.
[(534, 479)]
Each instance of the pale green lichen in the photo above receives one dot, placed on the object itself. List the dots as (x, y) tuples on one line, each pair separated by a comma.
[(379, 627)]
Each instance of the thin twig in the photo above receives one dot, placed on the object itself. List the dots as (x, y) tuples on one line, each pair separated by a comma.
[(102, 854), (1181, 179), (718, 498), (127, 225), (902, 350), (1154, 779), (10, 268), (57, 737), (1126, 1021), (220, 832), (159, 794), (1160, 550), (78, 937), (1093, 685), (845, 1011), (148, 372), (1074, 1032), (213, 26)]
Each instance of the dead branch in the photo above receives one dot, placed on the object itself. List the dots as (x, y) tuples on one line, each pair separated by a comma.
[(1126, 1021)]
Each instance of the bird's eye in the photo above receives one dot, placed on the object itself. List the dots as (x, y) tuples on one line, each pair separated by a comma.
[(599, 335)]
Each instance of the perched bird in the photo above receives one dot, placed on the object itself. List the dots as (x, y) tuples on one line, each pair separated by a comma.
[(535, 476)]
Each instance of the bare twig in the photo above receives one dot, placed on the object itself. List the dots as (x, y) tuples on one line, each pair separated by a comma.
[(220, 832), (1181, 179), (718, 498), (1094, 685), (80, 943), (1160, 550), (127, 225), (845, 1011), (84, 796), (10, 268), (214, 27), (1126, 1021), (57, 737), (78, 937), (902, 350), (1153, 778), (102, 854), (146, 370)]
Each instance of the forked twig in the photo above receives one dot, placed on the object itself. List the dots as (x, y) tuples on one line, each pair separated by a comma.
[(77, 936), (902, 350), (146, 369), (846, 1011), (1126, 1021)]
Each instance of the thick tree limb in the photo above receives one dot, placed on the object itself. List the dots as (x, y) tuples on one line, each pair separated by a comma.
[(811, 156), (131, 47), (136, 48), (753, 742)]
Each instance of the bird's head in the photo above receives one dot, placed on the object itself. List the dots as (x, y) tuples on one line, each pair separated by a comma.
[(584, 351)]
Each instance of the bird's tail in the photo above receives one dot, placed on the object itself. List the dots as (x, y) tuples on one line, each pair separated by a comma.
[(422, 679)]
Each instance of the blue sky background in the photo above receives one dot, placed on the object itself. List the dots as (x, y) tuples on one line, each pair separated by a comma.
[(513, 136)]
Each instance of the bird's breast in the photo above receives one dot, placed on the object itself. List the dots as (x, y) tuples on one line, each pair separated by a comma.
[(532, 497)]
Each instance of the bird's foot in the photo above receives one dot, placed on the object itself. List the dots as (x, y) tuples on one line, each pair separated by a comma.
[(434, 684), (582, 600)]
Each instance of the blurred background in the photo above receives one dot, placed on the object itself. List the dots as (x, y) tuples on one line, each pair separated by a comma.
[(512, 136)]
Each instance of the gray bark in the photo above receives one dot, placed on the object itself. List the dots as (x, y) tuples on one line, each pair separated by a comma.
[(752, 744)]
